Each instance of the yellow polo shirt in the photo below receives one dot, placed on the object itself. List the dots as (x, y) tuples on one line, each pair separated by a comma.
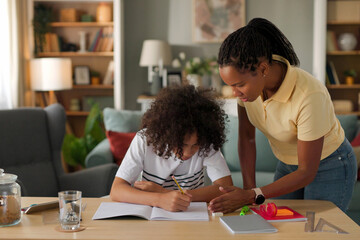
[(300, 109)]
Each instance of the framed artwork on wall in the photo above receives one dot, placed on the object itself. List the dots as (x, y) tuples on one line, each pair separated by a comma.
[(82, 75), (214, 20)]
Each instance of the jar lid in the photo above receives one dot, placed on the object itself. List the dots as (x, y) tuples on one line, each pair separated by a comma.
[(6, 177)]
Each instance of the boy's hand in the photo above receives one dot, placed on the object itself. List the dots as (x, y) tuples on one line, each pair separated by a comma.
[(175, 201), (149, 187)]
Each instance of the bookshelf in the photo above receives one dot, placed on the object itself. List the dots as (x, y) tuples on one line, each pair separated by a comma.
[(67, 32), (343, 17)]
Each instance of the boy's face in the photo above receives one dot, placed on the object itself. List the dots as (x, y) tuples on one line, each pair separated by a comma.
[(190, 146)]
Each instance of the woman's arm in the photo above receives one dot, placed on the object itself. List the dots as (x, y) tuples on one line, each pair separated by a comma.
[(309, 154), (246, 149), (122, 191)]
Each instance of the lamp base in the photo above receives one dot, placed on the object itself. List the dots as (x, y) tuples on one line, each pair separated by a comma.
[(155, 85)]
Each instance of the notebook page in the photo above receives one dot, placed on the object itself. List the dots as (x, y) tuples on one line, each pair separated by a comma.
[(197, 211)]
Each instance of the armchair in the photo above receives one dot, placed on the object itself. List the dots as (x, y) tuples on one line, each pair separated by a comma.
[(30, 147)]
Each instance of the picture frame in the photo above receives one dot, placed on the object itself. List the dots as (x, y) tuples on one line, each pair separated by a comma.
[(174, 79), (214, 20), (82, 75)]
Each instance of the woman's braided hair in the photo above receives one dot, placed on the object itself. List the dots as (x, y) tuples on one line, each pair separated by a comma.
[(178, 111), (259, 38)]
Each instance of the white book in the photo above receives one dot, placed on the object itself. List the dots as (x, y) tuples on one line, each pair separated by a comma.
[(197, 211), (247, 224), (109, 76)]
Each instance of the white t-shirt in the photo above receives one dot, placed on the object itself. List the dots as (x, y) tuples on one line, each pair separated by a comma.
[(141, 158)]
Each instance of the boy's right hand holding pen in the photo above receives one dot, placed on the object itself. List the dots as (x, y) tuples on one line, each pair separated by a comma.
[(176, 201)]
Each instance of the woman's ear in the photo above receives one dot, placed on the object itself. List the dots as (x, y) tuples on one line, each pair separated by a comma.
[(263, 68)]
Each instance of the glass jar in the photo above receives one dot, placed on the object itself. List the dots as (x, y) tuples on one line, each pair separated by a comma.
[(10, 200)]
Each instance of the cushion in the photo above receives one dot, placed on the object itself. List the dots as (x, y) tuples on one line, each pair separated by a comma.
[(356, 141), (119, 144), (121, 127), (349, 124), (122, 120)]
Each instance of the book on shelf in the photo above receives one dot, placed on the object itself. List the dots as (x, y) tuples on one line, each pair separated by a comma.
[(333, 70), (287, 218), (250, 223), (95, 40), (109, 75), (197, 211), (51, 43), (330, 74), (331, 42)]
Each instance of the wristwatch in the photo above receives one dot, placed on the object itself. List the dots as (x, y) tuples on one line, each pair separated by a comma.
[(259, 196)]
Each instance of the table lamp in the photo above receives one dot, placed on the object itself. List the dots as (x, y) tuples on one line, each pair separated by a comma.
[(154, 55), (49, 75)]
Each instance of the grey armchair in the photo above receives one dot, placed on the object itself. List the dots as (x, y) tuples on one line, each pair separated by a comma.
[(30, 147)]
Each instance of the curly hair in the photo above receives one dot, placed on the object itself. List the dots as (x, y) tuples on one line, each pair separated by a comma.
[(182, 110), (259, 38)]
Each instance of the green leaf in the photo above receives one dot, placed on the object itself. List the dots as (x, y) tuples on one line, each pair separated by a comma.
[(76, 149)]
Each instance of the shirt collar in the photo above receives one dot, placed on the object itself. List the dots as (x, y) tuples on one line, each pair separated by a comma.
[(288, 84)]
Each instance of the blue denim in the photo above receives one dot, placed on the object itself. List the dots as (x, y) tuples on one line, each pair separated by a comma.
[(334, 180)]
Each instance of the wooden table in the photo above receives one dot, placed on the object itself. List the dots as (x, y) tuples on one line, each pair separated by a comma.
[(33, 227)]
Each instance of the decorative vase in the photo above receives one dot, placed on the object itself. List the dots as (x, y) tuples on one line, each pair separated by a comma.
[(194, 79), (349, 80), (216, 83), (347, 41), (103, 12), (82, 41)]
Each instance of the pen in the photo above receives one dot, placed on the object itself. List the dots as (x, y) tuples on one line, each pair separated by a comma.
[(182, 192), (244, 210)]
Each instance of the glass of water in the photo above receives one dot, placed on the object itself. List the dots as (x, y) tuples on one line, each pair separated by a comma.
[(70, 209)]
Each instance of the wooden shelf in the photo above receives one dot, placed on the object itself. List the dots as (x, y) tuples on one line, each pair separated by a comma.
[(76, 54), (77, 113), (81, 24), (343, 53), (349, 113), (343, 22), (343, 86), (86, 87)]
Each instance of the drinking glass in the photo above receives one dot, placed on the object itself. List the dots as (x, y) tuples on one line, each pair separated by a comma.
[(70, 209)]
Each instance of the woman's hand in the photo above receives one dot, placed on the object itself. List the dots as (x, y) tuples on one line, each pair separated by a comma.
[(175, 201), (232, 199), (149, 187)]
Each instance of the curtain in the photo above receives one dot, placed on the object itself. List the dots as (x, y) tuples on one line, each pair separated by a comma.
[(12, 51)]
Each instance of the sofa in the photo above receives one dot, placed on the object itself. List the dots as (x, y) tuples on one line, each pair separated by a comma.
[(129, 121)]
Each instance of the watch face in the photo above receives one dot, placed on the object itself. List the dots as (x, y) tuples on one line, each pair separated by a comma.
[(260, 199)]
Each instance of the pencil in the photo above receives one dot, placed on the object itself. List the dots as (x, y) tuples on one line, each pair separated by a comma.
[(182, 192)]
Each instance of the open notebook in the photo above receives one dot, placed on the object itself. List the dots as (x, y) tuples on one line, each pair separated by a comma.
[(197, 211)]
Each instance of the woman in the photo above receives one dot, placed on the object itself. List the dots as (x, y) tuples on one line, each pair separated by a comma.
[(294, 111)]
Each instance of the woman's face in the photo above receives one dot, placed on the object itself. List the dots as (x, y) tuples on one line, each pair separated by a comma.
[(190, 146), (246, 85)]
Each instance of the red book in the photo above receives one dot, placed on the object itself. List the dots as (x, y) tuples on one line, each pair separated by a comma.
[(296, 217)]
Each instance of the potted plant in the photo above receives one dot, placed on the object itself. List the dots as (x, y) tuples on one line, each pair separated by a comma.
[(75, 149), (41, 22), (350, 76)]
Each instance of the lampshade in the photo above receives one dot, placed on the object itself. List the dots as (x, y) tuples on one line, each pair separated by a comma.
[(155, 52), (50, 74)]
